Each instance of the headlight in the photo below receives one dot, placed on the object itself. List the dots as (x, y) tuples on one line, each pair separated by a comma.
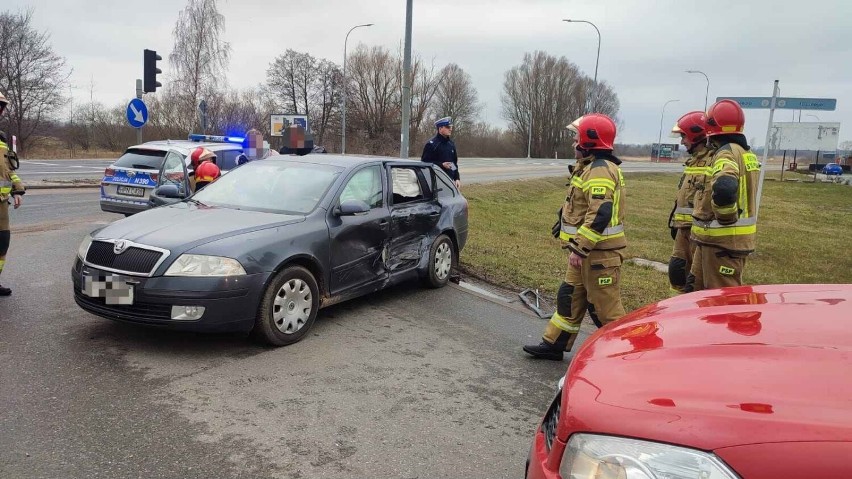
[(203, 265), (84, 247), (605, 457)]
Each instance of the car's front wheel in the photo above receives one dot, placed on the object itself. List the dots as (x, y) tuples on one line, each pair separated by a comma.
[(442, 258), (289, 307)]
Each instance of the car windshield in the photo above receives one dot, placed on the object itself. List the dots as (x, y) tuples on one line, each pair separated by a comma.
[(274, 186), (142, 159)]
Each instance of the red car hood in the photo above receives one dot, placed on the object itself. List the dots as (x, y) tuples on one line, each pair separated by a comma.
[(721, 368)]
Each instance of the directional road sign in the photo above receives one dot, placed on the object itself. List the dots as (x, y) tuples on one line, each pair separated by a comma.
[(137, 113), (828, 104)]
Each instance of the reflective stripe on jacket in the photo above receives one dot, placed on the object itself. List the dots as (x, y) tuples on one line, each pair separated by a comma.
[(734, 226), (593, 213)]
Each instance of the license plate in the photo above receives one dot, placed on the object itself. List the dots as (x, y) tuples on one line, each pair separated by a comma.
[(131, 191), (113, 288)]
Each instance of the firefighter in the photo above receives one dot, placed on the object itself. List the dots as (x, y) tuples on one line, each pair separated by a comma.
[(692, 130), (196, 158), (724, 220), (11, 189), (206, 173), (441, 151), (591, 228)]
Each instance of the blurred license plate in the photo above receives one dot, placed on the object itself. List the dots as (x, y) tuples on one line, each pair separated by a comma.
[(131, 191), (113, 288)]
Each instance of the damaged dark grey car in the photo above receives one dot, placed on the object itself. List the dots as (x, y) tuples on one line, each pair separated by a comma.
[(267, 245)]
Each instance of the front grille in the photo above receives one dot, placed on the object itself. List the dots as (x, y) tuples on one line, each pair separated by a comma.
[(133, 260), (551, 421), (138, 311)]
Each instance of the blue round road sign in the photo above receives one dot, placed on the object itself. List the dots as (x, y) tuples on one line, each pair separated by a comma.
[(137, 113)]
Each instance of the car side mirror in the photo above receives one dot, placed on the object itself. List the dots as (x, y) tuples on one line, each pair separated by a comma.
[(352, 207), (169, 191)]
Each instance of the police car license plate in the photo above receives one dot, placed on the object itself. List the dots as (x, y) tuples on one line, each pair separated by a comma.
[(131, 191), (113, 288)]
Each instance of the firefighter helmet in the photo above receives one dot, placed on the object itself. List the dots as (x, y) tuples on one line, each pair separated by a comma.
[(725, 116), (3, 102), (207, 172), (200, 155), (594, 131), (693, 126)]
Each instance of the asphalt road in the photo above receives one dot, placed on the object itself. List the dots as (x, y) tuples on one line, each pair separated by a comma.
[(405, 383), (473, 170)]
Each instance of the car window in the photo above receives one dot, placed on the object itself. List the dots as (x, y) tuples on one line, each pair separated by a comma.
[(447, 190), (227, 159), (173, 170), (405, 185), (141, 159), (426, 178), (365, 185), (288, 187)]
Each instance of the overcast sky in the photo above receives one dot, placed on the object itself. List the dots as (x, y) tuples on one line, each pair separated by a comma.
[(743, 46)]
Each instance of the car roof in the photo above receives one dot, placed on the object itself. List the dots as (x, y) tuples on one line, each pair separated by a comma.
[(345, 161)]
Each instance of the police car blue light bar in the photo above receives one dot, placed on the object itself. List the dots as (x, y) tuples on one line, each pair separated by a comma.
[(215, 138)]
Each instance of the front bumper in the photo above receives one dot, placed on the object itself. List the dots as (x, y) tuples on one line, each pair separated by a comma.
[(230, 304)]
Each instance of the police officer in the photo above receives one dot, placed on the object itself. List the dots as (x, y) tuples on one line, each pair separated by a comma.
[(592, 230), (692, 130), (11, 189), (725, 220), (441, 150)]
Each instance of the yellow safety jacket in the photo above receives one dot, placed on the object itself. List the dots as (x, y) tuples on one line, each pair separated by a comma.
[(593, 213), (696, 174), (730, 226), (10, 183)]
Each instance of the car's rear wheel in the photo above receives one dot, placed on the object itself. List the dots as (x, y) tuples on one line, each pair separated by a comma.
[(289, 307), (442, 258)]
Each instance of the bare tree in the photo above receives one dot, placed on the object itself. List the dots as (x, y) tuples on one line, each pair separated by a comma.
[(456, 97), (199, 59), (290, 77), (32, 77), (325, 97), (375, 99)]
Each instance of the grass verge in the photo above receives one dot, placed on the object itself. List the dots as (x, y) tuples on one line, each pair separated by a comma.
[(802, 234)]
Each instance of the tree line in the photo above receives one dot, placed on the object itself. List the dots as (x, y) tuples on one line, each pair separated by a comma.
[(540, 96)]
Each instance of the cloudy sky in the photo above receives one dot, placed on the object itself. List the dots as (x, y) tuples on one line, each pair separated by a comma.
[(743, 46)]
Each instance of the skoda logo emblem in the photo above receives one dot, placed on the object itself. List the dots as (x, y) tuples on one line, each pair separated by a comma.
[(119, 247)]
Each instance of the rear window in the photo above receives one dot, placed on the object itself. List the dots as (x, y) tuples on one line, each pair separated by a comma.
[(227, 159), (142, 159)]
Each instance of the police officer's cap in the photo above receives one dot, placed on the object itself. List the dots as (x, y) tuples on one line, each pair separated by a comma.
[(445, 121)]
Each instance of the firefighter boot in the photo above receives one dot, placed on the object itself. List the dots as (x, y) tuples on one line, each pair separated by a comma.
[(554, 352), (5, 291)]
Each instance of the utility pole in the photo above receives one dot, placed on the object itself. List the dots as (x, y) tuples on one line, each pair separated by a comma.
[(406, 83)]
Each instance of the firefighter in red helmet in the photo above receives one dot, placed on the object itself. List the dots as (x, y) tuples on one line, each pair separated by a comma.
[(591, 227), (725, 220), (196, 158), (206, 173), (691, 128)]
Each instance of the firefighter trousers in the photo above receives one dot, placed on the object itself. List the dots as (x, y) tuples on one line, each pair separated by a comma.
[(595, 287), (714, 267), (5, 234), (681, 261)]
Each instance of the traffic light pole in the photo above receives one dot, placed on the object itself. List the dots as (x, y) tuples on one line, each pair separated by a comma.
[(139, 96)]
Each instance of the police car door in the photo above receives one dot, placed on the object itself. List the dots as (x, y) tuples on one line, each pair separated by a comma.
[(173, 182)]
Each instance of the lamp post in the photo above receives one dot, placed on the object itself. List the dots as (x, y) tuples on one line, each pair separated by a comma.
[(707, 90), (595, 95), (343, 120), (660, 137)]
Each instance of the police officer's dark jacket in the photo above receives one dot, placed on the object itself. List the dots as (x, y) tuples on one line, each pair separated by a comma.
[(441, 149)]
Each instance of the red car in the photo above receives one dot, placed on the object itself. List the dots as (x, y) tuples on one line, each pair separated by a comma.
[(752, 382)]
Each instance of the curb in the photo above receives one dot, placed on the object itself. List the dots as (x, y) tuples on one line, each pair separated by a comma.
[(61, 186)]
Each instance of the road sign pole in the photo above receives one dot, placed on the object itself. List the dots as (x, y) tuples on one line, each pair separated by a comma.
[(766, 149), (139, 96)]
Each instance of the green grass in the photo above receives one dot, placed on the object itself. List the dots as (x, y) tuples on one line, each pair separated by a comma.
[(803, 231)]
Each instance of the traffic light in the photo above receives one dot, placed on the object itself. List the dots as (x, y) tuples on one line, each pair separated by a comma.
[(151, 71)]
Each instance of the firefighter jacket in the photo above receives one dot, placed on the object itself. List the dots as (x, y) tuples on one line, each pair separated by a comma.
[(10, 183), (593, 213), (696, 173), (724, 214), (441, 149)]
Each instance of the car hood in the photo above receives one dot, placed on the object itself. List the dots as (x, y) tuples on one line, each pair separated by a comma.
[(721, 368), (184, 225)]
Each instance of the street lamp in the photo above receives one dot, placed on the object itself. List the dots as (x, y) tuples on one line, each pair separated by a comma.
[(706, 91), (660, 138), (595, 95), (343, 122)]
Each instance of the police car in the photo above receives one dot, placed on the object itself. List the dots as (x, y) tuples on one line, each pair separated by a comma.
[(128, 183)]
